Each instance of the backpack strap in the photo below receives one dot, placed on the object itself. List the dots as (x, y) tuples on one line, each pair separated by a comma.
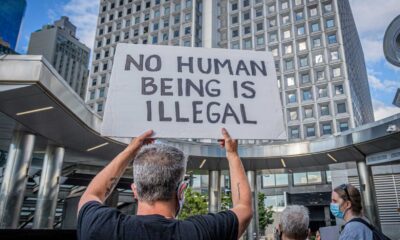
[(360, 220)]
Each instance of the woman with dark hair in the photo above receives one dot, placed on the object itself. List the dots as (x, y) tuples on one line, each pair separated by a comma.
[(346, 204)]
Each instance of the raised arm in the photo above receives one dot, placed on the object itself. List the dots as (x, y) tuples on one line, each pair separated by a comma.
[(240, 188), (104, 182)]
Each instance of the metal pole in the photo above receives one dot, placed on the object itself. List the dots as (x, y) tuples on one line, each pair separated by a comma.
[(252, 232), (214, 190), (368, 193), (15, 176), (48, 189)]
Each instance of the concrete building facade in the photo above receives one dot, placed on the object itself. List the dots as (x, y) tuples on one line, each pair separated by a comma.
[(318, 56), (59, 45)]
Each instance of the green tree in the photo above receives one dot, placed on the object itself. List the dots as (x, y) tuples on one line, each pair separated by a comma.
[(195, 203), (226, 201), (265, 215)]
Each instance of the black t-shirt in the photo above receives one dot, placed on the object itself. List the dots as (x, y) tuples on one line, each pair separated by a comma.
[(96, 221)]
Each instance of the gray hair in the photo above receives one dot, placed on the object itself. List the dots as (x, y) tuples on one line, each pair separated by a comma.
[(294, 222), (157, 171)]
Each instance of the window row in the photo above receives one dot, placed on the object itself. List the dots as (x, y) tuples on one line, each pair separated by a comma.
[(302, 178), (310, 130), (308, 111), (305, 78)]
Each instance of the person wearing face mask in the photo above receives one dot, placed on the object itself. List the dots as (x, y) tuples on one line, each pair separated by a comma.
[(159, 186), (346, 204)]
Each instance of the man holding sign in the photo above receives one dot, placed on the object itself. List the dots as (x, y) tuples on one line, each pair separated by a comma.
[(159, 187)]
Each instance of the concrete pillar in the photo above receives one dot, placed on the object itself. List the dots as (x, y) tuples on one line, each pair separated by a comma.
[(252, 230), (368, 193), (214, 191), (48, 188), (209, 24), (15, 177)]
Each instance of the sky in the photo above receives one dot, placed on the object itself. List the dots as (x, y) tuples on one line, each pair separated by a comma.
[(372, 17)]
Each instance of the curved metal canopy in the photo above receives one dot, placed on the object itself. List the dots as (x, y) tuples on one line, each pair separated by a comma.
[(29, 83)]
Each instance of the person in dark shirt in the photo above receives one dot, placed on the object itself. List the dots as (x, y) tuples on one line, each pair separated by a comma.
[(159, 187)]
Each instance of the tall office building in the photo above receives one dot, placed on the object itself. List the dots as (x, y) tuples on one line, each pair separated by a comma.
[(11, 14), (318, 56), (59, 45)]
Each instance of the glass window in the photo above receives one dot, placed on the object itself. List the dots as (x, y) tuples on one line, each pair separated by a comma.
[(247, 43), (302, 46), (313, 12), (260, 26), (328, 7), (326, 128), (234, 6), (260, 40), (101, 92), (310, 131), (246, 16), (307, 95), (332, 39), (156, 13), (298, 2), (187, 30), (324, 110), (246, 3), (285, 19), (330, 23), (334, 55), (155, 26), (299, 16), (165, 36), (285, 5), (154, 39), (271, 8), (293, 114), (273, 37), (235, 19), (300, 30), (92, 93), (196, 181), (308, 112), (305, 78), (343, 126), (323, 92), (235, 45), (341, 107), (286, 34), (339, 89), (259, 12), (99, 107), (304, 61), (299, 178), (320, 75), (314, 177), (318, 58), (292, 97), (315, 27), (316, 42), (272, 22), (274, 52), (328, 176), (290, 81), (336, 72), (289, 64), (247, 30), (268, 180), (288, 49), (294, 133), (281, 179)]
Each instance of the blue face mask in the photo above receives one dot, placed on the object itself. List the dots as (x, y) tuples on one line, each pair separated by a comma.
[(335, 210)]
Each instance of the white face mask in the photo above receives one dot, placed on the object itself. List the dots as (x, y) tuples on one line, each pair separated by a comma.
[(180, 194)]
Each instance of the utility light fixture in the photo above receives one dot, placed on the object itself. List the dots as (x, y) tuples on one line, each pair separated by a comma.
[(96, 147), (34, 111)]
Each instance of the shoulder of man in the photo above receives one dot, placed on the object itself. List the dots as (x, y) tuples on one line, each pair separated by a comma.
[(221, 225), (356, 230)]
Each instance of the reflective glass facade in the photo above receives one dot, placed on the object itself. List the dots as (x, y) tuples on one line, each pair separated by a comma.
[(11, 14)]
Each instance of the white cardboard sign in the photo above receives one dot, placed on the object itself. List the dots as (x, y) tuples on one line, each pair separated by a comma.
[(183, 92)]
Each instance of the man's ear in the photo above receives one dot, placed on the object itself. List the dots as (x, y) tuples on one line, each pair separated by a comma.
[(181, 190), (134, 190)]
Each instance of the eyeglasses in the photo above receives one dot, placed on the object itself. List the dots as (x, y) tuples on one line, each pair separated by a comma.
[(344, 188)]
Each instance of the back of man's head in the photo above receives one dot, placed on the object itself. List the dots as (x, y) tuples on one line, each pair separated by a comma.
[(294, 222), (157, 171)]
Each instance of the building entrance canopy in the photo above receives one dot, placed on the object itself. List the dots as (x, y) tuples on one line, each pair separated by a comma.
[(36, 97)]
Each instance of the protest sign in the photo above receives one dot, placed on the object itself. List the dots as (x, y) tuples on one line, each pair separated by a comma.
[(182, 92)]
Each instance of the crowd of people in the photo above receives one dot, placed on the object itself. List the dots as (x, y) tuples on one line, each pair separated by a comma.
[(159, 186)]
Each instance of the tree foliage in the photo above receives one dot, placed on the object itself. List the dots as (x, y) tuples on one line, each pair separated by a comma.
[(265, 215), (195, 204)]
